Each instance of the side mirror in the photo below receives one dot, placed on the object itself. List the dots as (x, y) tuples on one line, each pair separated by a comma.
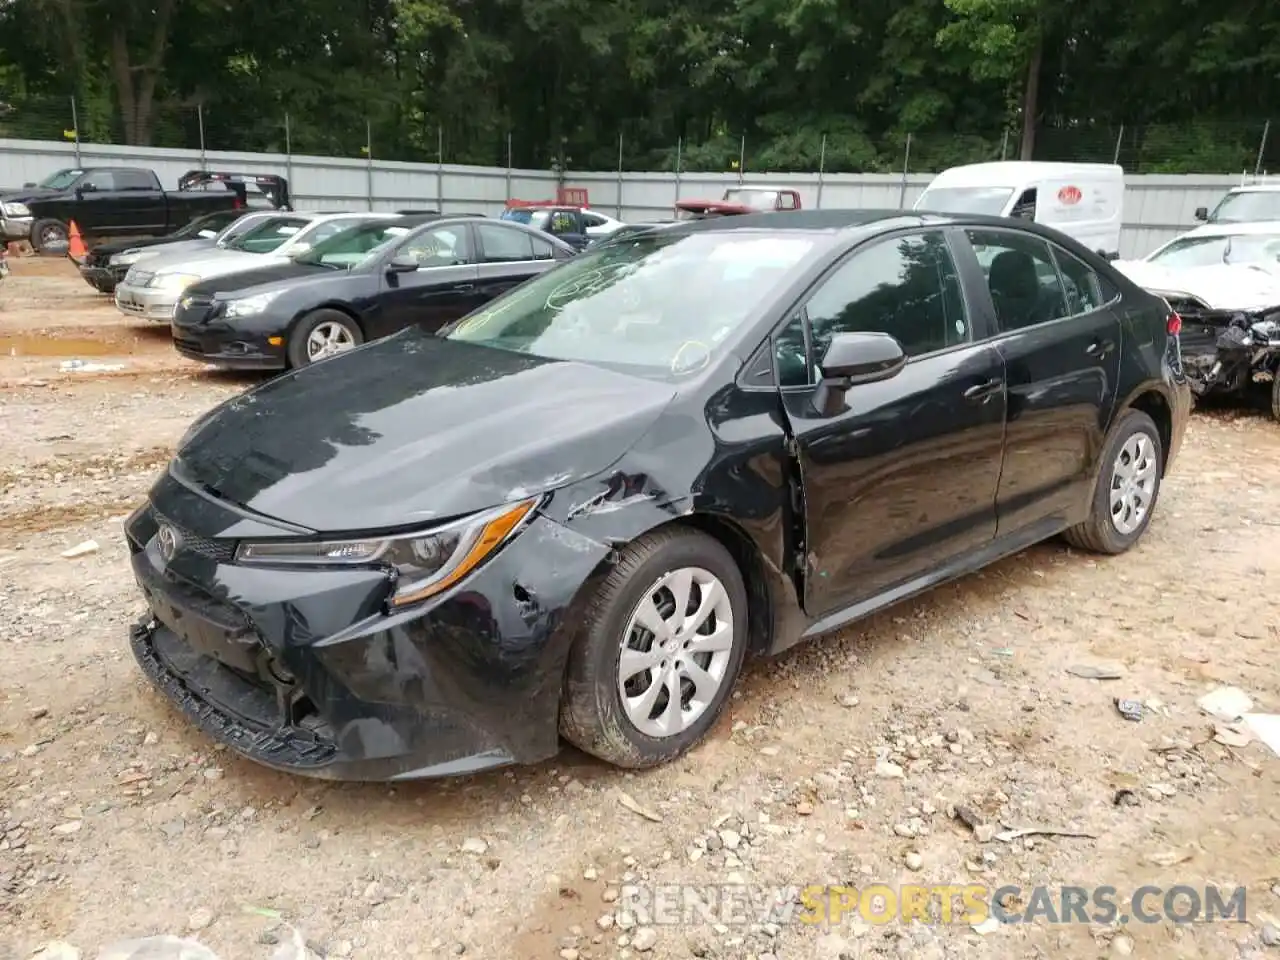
[(402, 264), (207, 234), (853, 359), (1202, 213)]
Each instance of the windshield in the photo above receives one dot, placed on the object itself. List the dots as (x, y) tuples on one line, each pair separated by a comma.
[(657, 304), (266, 236), (1246, 206), (755, 199), (210, 222), (354, 246), (61, 180), (985, 200), (521, 215), (1209, 251)]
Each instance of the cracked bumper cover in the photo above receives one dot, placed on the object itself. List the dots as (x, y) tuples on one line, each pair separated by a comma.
[(304, 671)]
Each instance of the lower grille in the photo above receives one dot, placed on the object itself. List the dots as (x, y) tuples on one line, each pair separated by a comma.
[(188, 344)]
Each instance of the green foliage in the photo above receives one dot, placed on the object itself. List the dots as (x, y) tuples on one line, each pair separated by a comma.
[(801, 81)]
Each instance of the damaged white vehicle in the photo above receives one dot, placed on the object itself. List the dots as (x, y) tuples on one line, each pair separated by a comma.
[(1223, 280)]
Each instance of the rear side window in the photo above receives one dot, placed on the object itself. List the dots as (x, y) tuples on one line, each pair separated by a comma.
[(133, 180), (1081, 283), (1021, 276), (504, 244)]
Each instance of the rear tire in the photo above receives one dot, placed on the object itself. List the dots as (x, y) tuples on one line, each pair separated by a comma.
[(333, 327), (50, 238), (1275, 395), (623, 677), (1127, 488)]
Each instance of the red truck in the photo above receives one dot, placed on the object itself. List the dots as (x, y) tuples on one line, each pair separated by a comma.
[(737, 200)]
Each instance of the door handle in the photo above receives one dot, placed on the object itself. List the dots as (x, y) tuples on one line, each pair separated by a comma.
[(980, 392), (1099, 348), (465, 287)]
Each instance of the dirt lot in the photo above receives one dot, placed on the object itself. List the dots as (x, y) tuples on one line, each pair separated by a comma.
[(841, 763)]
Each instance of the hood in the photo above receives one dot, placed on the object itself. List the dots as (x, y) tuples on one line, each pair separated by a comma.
[(722, 207), (276, 275), (1224, 286), (207, 262), (25, 194), (413, 429), (165, 248)]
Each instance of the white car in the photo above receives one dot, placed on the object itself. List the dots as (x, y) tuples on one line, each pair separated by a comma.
[(151, 289), (1220, 266)]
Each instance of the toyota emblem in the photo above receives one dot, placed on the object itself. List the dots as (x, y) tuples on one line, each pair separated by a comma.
[(167, 542)]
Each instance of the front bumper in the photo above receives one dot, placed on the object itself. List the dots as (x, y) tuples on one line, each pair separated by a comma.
[(215, 342), (304, 670), (146, 302), (103, 279), (16, 228)]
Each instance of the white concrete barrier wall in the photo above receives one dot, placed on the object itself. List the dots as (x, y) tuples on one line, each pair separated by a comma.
[(1156, 207)]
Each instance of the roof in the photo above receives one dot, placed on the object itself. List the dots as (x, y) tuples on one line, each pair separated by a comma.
[(1256, 188), (826, 221), (1015, 172)]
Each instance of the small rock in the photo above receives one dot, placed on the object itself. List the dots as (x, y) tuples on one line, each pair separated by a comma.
[(569, 953), (985, 832), (151, 739), (459, 949), (68, 828), (913, 861), (769, 751), (847, 700), (200, 920), (1122, 946), (173, 829), (31, 751), (904, 830), (80, 550), (646, 939), (38, 713), (605, 922), (1270, 935), (213, 773), (888, 770), (590, 873), (732, 839), (474, 845), (375, 893), (342, 948), (804, 808)]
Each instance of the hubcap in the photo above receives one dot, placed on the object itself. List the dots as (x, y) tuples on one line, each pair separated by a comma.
[(53, 238), (675, 652), (327, 339), (1133, 483)]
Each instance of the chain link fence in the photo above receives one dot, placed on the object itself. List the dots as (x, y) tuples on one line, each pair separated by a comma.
[(389, 133)]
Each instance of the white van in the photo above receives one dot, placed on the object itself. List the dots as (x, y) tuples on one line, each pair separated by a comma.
[(1083, 200)]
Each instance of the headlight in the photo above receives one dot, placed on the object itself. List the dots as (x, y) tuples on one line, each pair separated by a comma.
[(15, 209), (174, 282), (248, 306), (424, 563), (125, 259)]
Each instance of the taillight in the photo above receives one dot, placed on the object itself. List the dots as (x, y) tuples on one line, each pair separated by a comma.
[(1173, 325)]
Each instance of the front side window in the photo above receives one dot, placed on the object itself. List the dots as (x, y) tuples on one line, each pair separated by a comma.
[(592, 220), (100, 180), (1021, 276), (504, 245), (907, 287), (658, 304), (437, 247)]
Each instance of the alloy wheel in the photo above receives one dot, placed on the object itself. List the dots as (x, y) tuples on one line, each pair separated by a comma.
[(327, 339), (54, 238), (675, 652), (1133, 483)]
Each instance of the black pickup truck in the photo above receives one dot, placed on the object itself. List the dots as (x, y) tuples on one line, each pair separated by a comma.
[(107, 202)]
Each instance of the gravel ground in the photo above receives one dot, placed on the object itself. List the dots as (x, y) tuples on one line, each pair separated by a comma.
[(851, 761)]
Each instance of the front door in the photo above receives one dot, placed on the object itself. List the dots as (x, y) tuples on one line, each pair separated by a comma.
[(904, 477), (441, 290), (1061, 348)]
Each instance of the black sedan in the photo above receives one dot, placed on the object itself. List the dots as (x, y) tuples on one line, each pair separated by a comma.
[(418, 270), (576, 511)]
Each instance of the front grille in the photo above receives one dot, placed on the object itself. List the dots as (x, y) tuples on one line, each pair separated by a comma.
[(223, 551), (188, 345)]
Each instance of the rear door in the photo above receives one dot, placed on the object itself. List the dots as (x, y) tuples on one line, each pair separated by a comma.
[(138, 203), (1061, 349), (441, 290), (903, 478)]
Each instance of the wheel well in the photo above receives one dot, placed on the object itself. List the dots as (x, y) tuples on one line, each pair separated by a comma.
[(1155, 406), (750, 565), (336, 308)]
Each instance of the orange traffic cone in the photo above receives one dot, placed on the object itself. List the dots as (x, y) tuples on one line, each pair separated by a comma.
[(76, 249)]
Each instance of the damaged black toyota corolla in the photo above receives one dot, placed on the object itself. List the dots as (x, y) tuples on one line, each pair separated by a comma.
[(578, 510)]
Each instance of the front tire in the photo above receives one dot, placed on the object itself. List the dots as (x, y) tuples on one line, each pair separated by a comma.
[(1275, 396), (662, 646), (50, 238), (1127, 488), (322, 334)]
